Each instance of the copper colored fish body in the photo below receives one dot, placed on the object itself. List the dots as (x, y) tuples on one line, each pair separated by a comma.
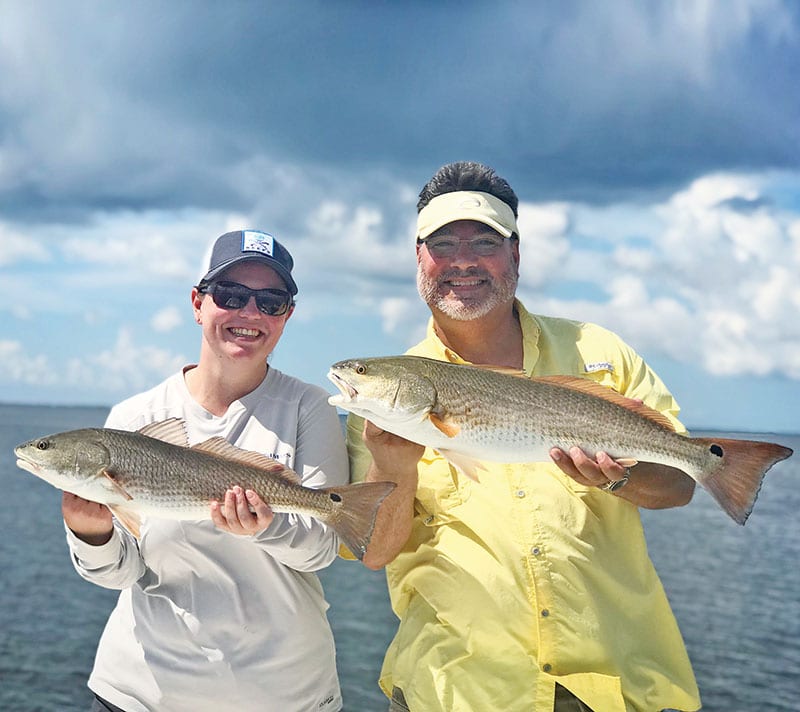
[(471, 413), (154, 473)]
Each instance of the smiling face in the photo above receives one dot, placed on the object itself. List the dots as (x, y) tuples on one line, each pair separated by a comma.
[(245, 334), (467, 286)]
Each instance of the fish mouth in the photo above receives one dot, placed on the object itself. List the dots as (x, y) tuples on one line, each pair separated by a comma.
[(28, 465), (348, 392)]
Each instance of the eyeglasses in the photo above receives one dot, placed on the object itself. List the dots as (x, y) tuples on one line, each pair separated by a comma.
[(232, 295), (447, 245)]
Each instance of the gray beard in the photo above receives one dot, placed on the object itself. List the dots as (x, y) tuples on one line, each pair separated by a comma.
[(502, 291)]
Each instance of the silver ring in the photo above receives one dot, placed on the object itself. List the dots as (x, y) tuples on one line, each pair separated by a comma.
[(614, 485)]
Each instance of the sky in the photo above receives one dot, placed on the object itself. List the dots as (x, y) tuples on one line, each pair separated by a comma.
[(654, 146)]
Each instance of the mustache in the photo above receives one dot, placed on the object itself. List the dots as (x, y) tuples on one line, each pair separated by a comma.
[(471, 273)]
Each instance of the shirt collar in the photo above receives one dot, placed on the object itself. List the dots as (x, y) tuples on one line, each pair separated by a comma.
[(530, 340)]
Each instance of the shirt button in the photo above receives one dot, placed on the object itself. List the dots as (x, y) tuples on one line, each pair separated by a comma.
[(545, 613), (520, 493), (536, 551), (547, 667)]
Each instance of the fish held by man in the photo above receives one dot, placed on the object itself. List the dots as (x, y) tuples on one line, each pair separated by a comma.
[(474, 413), (154, 473)]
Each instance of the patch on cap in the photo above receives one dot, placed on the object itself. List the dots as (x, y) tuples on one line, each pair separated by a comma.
[(254, 241)]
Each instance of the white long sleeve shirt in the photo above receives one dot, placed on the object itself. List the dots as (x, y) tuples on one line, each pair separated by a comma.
[(208, 620)]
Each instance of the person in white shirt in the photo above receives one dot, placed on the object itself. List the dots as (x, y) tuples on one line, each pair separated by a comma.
[(228, 613)]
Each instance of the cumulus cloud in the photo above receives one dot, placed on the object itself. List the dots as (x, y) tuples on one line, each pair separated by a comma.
[(709, 276), (16, 247), (543, 232), (23, 367), (167, 319), (127, 367), (405, 315), (350, 248)]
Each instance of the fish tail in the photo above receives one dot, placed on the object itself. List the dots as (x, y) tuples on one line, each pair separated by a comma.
[(353, 517), (736, 483)]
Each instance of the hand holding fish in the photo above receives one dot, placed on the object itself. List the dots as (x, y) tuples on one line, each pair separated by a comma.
[(242, 512), (89, 521), (394, 459), (651, 485), (389, 451), (585, 470)]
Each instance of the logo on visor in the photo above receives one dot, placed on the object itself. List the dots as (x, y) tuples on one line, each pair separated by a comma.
[(470, 203), (253, 241)]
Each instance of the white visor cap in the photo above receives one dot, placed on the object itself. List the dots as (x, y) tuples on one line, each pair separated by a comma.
[(466, 205)]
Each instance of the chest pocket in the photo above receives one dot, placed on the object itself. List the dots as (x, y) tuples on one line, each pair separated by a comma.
[(441, 488)]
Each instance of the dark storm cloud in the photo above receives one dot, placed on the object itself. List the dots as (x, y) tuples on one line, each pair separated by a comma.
[(172, 105)]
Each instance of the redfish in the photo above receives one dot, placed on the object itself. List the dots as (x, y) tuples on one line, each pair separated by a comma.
[(470, 413), (154, 473)]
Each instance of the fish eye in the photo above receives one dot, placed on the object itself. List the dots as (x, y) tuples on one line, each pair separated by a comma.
[(42, 445), (361, 369)]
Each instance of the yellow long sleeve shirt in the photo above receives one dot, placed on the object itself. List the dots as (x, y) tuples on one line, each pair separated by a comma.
[(527, 579)]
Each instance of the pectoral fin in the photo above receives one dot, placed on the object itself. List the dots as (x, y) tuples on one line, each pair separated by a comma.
[(463, 463), (448, 427), (129, 519), (117, 486)]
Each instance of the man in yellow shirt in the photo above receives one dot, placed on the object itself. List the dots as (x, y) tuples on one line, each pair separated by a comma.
[(531, 590)]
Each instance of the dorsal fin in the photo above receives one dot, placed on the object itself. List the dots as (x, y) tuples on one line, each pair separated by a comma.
[(171, 430), (584, 385), (222, 448)]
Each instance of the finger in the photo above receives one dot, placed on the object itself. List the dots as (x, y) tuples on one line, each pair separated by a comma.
[(243, 514), (261, 511), (610, 468), (228, 510), (563, 461), (237, 513), (589, 468), (569, 467), (217, 516), (372, 431)]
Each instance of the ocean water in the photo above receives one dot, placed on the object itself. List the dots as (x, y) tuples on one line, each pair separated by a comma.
[(735, 592)]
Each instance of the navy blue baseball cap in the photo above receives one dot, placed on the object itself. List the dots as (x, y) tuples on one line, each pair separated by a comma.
[(253, 246)]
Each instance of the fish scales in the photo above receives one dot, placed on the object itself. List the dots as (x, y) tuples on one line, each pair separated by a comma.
[(471, 413), (171, 478), (519, 420)]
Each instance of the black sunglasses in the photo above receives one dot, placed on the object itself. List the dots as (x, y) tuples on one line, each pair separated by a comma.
[(232, 295)]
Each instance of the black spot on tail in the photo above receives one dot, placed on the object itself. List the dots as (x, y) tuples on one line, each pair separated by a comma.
[(335, 497), (716, 450)]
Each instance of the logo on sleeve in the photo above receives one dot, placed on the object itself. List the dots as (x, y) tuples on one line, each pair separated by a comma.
[(599, 366)]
